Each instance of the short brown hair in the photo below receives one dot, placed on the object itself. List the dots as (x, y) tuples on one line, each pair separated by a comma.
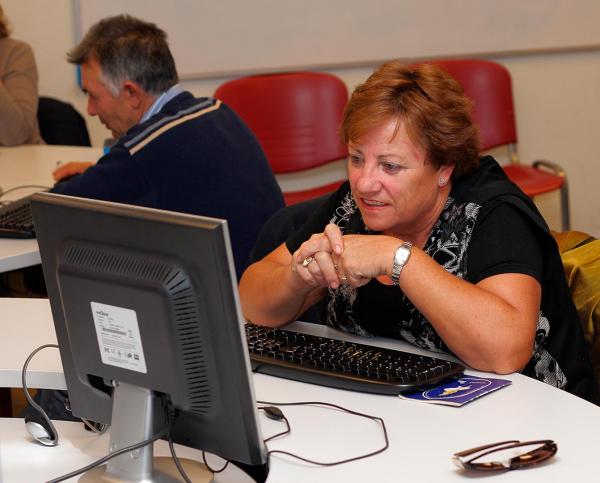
[(432, 104), (4, 28)]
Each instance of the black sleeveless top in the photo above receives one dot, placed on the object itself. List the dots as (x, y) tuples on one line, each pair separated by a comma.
[(487, 227)]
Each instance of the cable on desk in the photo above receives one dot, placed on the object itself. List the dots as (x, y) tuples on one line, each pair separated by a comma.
[(334, 406), (25, 186), (110, 456), (30, 400), (103, 427)]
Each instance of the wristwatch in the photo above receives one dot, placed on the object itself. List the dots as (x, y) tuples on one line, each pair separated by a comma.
[(400, 258)]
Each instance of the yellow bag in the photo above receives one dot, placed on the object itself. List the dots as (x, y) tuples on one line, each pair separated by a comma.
[(580, 255)]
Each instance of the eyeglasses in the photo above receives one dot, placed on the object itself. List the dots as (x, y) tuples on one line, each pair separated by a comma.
[(506, 455)]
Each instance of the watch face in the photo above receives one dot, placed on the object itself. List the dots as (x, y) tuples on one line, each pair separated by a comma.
[(402, 255)]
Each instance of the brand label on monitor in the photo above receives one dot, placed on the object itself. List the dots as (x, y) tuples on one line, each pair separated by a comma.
[(119, 338)]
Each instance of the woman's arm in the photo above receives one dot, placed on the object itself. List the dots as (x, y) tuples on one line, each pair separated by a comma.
[(278, 288), (18, 96), (489, 325), (271, 293)]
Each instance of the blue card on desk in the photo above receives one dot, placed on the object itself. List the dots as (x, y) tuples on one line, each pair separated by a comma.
[(457, 392)]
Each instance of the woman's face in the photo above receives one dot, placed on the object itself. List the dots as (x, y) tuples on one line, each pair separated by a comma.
[(396, 189)]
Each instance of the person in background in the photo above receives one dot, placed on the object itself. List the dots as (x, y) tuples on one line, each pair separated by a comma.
[(172, 151), (428, 243), (18, 90)]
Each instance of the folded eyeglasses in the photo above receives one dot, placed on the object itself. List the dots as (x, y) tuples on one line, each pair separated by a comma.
[(506, 455)]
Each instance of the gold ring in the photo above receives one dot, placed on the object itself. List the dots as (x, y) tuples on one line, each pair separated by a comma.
[(307, 261), (343, 277)]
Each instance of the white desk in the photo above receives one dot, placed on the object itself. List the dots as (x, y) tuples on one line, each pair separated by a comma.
[(26, 325), (422, 437), (31, 165)]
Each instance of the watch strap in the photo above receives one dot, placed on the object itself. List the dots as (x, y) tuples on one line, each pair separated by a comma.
[(401, 256)]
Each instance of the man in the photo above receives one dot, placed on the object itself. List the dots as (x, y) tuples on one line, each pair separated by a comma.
[(171, 151)]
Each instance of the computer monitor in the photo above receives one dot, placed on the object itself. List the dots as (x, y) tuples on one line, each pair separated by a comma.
[(146, 313)]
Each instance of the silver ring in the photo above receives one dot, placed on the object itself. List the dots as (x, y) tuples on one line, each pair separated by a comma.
[(307, 261)]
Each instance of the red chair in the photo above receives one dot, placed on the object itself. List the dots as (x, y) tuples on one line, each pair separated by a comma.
[(489, 85), (296, 118)]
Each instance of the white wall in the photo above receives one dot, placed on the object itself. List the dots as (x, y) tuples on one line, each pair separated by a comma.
[(557, 97)]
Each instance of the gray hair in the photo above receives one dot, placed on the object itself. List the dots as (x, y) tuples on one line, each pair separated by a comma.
[(127, 48)]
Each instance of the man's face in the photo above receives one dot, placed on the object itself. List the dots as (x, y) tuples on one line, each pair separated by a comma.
[(115, 112)]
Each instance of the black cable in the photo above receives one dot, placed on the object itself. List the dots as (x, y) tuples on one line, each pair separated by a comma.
[(104, 459), (177, 462), (276, 416), (99, 431), (335, 406), (30, 400), (212, 469), (25, 186)]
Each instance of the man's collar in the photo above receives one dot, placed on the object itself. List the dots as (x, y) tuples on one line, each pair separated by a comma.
[(161, 100)]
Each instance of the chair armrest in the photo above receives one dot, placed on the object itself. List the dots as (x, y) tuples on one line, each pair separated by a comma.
[(550, 166)]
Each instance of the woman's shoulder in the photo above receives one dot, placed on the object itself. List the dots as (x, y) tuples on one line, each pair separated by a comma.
[(13, 49)]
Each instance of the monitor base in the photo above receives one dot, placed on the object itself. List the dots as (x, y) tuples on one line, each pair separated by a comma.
[(164, 471)]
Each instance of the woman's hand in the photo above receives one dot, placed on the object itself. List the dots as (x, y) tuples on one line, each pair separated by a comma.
[(366, 257), (329, 259), (315, 262)]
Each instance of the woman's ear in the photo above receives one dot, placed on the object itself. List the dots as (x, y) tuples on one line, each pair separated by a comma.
[(445, 174)]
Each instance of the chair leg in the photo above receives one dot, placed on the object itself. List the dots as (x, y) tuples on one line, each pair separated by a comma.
[(564, 206), (564, 190)]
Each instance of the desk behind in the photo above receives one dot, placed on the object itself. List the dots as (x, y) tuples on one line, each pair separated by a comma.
[(31, 165), (34, 164)]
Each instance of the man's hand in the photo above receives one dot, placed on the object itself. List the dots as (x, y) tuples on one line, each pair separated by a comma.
[(70, 169)]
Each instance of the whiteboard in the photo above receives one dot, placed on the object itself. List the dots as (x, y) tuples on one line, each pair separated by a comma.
[(214, 38)]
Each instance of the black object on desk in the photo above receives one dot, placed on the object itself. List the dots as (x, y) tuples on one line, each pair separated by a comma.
[(341, 364), (16, 220)]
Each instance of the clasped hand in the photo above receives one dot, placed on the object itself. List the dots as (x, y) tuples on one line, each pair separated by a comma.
[(330, 259)]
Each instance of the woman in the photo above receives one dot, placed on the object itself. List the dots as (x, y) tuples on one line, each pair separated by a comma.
[(428, 243), (18, 91)]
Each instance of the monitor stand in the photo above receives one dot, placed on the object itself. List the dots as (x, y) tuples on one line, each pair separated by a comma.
[(134, 412)]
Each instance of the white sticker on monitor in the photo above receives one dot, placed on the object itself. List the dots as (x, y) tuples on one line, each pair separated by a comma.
[(119, 338)]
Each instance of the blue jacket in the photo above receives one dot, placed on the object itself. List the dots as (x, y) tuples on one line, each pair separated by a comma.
[(194, 156)]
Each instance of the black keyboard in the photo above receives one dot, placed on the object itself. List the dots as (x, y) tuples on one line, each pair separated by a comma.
[(341, 364), (16, 220)]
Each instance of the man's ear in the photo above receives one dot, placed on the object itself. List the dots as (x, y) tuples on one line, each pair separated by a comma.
[(133, 94)]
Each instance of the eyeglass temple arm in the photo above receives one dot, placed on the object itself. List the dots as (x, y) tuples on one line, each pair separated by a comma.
[(467, 452)]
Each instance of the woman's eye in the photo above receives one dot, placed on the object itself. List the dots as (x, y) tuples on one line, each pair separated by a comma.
[(391, 167), (355, 159)]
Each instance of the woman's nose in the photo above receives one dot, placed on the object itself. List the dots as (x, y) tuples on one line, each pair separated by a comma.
[(368, 179)]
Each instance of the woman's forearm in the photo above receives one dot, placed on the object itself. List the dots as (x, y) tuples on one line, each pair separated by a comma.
[(270, 294), (491, 326)]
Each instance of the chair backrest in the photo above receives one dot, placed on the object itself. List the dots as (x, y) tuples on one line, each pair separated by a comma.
[(488, 85), (60, 123), (295, 116)]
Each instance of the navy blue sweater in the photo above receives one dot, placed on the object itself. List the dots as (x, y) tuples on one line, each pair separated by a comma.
[(194, 156)]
